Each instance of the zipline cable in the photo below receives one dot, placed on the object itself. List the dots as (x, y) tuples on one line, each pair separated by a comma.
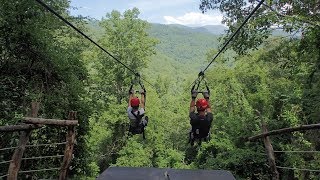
[(92, 41), (235, 33), (232, 36)]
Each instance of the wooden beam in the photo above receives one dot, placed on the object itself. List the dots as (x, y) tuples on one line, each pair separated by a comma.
[(20, 127), (70, 140), (285, 130), (57, 122)]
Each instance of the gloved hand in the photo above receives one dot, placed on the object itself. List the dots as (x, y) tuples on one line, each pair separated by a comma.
[(143, 91), (131, 91), (194, 94), (206, 94)]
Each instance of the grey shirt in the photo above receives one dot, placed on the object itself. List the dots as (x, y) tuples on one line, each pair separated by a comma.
[(131, 116)]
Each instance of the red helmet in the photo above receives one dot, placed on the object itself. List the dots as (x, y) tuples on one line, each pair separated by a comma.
[(134, 102), (201, 104)]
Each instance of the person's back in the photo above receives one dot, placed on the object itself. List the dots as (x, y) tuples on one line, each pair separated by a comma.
[(135, 115), (201, 125)]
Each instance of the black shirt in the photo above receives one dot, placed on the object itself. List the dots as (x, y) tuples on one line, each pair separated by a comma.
[(203, 123)]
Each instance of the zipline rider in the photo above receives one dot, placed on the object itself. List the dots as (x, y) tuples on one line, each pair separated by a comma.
[(200, 121), (136, 112)]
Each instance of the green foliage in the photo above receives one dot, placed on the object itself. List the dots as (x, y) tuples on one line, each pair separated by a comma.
[(43, 60), (290, 16), (126, 37), (134, 155), (220, 153), (40, 61)]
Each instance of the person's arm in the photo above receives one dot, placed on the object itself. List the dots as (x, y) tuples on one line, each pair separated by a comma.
[(192, 105), (131, 94), (143, 102), (194, 95), (130, 97), (206, 95), (209, 106)]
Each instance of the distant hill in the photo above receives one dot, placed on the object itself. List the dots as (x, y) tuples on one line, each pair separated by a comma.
[(181, 52), (94, 29), (213, 29), (216, 29), (182, 43)]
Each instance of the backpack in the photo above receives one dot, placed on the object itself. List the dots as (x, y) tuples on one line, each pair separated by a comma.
[(202, 129), (139, 126)]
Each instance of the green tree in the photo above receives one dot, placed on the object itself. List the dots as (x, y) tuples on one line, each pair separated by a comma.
[(40, 60), (126, 37), (293, 16)]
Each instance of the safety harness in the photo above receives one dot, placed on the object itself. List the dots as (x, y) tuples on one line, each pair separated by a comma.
[(139, 126)]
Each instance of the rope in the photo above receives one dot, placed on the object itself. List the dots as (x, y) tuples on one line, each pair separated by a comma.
[(2, 176), (311, 170), (297, 151), (30, 158), (42, 157), (198, 80), (4, 162), (92, 41), (33, 145), (37, 170), (232, 36)]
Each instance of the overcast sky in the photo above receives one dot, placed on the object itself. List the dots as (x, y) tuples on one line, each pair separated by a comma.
[(185, 12)]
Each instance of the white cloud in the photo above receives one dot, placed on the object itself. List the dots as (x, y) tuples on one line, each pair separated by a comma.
[(85, 8), (194, 19), (150, 5)]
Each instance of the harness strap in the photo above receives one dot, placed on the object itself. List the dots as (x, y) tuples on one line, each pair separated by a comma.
[(138, 117)]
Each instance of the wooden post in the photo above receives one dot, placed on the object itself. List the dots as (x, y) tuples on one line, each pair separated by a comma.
[(18, 153), (70, 139), (269, 151)]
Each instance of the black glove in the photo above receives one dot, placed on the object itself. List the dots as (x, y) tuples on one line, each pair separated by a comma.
[(142, 91), (131, 91), (194, 94), (206, 94)]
